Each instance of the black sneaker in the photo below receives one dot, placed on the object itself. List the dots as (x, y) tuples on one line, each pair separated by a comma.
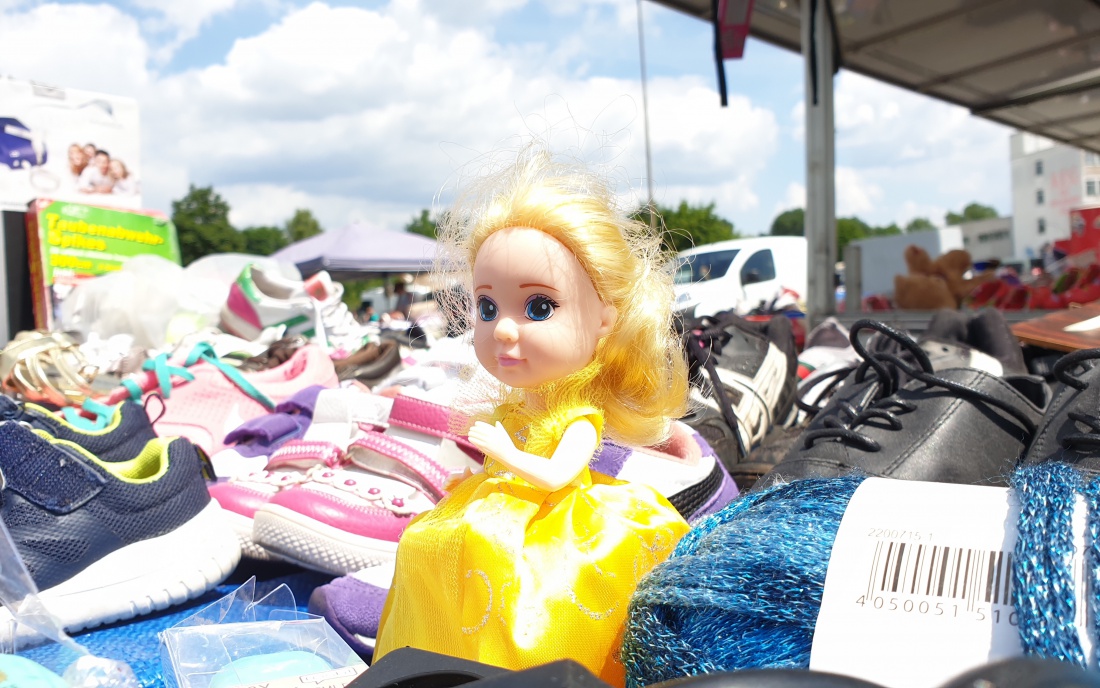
[(107, 541), (123, 438), (897, 420), (1070, 432), (743, 383), (953, 339)]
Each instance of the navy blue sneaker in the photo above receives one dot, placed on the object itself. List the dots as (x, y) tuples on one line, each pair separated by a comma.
[(124, 436), (109, 540)]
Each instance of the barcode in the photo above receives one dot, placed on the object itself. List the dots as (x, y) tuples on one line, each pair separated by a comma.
[(972, 576)]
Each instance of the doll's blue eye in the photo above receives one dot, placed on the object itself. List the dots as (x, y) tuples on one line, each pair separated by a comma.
[(540, 307), (486, 309)]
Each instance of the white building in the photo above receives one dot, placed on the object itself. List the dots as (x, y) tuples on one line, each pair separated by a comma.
[(1048, 180), (988, 239)]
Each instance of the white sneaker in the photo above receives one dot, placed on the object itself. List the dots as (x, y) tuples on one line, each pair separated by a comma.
[(259, 301)]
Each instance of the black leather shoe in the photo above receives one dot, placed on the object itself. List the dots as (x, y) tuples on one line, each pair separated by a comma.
[(900, 419), (1070, 431)]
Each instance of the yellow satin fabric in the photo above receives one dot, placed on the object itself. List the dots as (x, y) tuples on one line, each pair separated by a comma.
[(504, 573)]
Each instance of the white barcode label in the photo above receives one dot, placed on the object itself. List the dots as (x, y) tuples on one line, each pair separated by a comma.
[(928, 566)]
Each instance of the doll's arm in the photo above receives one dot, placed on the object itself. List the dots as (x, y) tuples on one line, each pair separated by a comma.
[(575, 450)]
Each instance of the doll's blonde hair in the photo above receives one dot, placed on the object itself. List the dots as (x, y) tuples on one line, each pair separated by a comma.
[(638, 376)]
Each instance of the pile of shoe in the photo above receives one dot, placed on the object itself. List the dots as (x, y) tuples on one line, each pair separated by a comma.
[(869, 400), (297, 436)]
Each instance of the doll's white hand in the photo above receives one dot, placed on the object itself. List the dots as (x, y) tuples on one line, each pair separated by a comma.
[(493, 440)]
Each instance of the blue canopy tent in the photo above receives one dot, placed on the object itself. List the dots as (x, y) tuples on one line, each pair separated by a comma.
[(359, 249)]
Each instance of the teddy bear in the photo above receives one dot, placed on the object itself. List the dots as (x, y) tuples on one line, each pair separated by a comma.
[(933, 284)]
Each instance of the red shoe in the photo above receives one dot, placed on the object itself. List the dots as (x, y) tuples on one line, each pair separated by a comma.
[(1068, 280), (876, 302), (1015, 299), (1087, 292), (1044, 298), (987, 294)]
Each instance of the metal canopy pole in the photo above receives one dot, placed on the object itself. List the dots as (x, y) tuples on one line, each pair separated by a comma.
[(820, 221)]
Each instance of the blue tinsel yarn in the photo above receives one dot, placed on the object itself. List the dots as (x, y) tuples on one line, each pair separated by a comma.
[(743, 588)]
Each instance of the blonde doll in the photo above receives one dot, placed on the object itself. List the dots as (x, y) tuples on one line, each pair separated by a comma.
[(536, 558)]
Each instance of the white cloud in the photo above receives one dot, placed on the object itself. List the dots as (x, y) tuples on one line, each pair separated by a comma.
[(93, 47), (626, 11), (368, 113), (393, 104), (921, 153), (854, 194), (272, 205), (183, 19), (909, 211), (795, 197)]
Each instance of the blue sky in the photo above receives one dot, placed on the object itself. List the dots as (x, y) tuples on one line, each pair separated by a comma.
[(373, 110)]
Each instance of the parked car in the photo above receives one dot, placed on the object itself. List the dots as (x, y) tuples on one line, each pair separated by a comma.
[(741, 274), (17, 145)]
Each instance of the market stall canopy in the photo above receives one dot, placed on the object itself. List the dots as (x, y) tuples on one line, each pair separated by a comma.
[(360, 249), (1031, 64)]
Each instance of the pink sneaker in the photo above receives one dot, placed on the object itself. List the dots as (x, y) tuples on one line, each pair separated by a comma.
[(205, 399), (349, 517), (240, 497)]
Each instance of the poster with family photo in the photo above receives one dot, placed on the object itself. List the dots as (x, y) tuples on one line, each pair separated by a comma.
[(67, 144)]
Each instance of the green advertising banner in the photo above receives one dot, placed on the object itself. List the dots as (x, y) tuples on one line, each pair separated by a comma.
[(83, 240), (68, 242)]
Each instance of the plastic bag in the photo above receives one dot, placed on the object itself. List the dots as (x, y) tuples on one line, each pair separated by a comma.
[(157, 301), (242, 641), (33, 624)]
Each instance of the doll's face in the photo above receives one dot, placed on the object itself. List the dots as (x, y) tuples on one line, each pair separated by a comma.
[(537, 317)]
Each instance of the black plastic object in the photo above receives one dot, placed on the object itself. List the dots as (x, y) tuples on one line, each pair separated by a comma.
[(561, 674), (768, 678), (16, 287), (1026, 672), (412, 668)]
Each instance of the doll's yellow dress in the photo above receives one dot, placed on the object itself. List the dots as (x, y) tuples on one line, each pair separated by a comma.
[(504, 573)]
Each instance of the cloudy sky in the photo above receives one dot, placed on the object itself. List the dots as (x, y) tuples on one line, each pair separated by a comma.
[(364, 110)]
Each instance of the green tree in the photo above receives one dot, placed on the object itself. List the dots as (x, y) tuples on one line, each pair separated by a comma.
[(790, 223), (919, 224), (972, 212), (689, 225), (423, 225), (849, 229), (263, 241), (302, 226), (887, 230), (202, 225)]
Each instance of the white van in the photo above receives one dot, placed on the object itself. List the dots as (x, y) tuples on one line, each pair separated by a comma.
[(740, 274)]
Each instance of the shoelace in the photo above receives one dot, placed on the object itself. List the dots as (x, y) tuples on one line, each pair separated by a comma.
[(17, 412), (1088, 441), (163, 370), (704, 345), (834, 377), (888, 368)]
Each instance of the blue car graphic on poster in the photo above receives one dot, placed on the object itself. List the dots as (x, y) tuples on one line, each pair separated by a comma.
[(16, 145)]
